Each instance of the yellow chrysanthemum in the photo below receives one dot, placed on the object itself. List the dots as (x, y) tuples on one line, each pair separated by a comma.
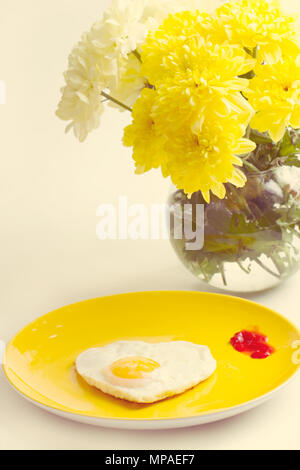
[(191, 73), (175, 108), (148, 146), (252, 23), (175, 31), (206, 158), (275, 95), (202, 156), (180, 50), (192, 122)]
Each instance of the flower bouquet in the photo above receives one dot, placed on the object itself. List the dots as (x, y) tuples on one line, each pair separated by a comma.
[(215, 104)]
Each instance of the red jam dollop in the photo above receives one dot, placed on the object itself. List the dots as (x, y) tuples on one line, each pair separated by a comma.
[(252, 343)]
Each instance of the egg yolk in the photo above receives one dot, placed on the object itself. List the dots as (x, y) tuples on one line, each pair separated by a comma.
[(133, 367)]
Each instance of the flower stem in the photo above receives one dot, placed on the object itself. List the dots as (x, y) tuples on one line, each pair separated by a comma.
[(222, 272), (137, 55), (114, 100)]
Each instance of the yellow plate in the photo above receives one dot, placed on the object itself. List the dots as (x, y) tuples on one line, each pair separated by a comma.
[(39, 361)]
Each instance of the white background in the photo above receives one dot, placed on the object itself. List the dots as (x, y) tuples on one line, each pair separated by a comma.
[(50, 188)]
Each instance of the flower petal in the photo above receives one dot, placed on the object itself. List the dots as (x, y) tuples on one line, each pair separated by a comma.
[(219, 190), (244, 146), (278, 129), (295, 117), (206, 196), (238, 178)]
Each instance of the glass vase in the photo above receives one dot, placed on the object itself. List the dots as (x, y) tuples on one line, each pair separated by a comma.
[(251, 238)]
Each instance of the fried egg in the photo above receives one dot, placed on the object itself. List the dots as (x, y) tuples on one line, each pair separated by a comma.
[(145, 372)]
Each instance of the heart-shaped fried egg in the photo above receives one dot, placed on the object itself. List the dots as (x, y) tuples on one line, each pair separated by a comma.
[(145, 372)]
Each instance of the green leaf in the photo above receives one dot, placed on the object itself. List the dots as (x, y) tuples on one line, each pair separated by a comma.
[(260, 138), (286, 145), (292, 160)]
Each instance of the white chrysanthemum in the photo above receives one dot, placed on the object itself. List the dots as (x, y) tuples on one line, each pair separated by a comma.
[(81, 101), (104, 60), (122, 27)]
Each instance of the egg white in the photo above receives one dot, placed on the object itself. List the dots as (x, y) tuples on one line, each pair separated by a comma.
[(183, 365)]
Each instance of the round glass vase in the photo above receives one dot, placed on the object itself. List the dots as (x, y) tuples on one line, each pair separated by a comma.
[(251, 239)]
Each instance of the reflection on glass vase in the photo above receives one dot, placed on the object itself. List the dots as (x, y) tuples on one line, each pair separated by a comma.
[(251, 238)]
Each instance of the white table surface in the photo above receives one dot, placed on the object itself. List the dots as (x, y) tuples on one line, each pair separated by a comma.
[(50, 188)]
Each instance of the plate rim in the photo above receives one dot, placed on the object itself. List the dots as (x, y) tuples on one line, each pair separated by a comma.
[(244, 406), (241, 407)]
